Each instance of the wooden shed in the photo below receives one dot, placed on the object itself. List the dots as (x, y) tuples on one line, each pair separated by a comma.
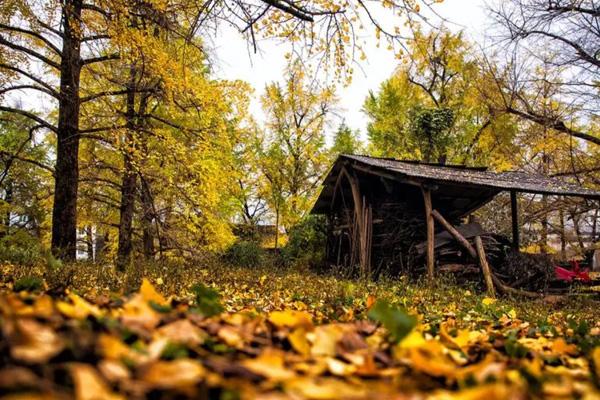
[(378, 209)]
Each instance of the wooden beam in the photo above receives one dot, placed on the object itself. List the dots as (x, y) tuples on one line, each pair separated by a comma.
[(514, 212), (455, 234), (430, 234), (485, 267)]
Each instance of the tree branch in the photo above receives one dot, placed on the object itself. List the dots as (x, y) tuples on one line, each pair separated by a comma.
[(30, 76), (31, 116), (32, 53), (37, 35), (554, 124), (33, 87), (93, 60), (28, 160)]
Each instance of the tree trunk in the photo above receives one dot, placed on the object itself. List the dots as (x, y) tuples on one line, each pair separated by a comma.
[(8, 199), (563, 236), (276, 228), (100, 245), (64, 212), (544, 222), (89, 242), (129, 182), (147, 217), (576, 221)]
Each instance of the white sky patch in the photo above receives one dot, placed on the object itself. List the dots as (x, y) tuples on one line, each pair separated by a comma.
[(236, 61)]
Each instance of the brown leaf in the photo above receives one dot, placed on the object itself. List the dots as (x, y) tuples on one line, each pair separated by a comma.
[(21, 377)]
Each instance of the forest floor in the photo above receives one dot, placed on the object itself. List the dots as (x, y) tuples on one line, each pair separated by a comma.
[(226, 333)]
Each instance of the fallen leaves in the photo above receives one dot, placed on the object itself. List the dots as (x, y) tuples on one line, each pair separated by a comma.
[(149, 345), (30, 341)]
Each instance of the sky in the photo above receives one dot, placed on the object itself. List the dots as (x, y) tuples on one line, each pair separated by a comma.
[(235, 61)]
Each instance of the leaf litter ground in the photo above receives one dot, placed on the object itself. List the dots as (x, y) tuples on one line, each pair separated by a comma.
[(279, 335)]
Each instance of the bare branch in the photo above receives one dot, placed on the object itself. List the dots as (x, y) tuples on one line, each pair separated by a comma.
[(30, 52), (36, 35)]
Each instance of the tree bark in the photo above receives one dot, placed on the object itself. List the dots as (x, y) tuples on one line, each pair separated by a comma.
[(64, 211), (100, 245), (147, 217), (8, 199), (129, 183), (563, 236)]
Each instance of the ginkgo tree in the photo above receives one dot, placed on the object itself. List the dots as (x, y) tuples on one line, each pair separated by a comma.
[(432, 107), (46, 46), (294, 155)]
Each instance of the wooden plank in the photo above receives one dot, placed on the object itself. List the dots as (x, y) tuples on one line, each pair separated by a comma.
[(485, 267), (514, 211), (455, 233), (430, 234)]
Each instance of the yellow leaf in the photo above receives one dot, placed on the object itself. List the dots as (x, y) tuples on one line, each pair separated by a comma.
[(270, 364), (488, 301), (413, 339), (174, 374), (149, 293), (182, 331), (324, 388), (339, 368), (299, 342), (79, 308), (89, 385), (324, 340), (290, 319), (560, 346)]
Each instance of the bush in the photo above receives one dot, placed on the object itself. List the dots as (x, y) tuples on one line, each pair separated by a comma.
[(29, 283), (306, 242), (245, 254), (20, 248)]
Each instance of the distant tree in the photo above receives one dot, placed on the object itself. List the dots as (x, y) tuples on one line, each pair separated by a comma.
[(24, 177), (345, 141), (432, 109), (48, 46), (294, 154)]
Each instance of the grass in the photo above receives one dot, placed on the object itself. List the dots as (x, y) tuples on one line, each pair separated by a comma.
[(326, 296)]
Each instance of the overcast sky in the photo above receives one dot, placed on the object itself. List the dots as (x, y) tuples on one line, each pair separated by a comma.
[(235, 62)]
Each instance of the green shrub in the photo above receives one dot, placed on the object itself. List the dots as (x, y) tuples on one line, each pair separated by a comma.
[(28, 283), (245, 254), (306, 242), (20, 248)]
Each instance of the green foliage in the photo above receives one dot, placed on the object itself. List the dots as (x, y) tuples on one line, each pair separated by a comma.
[(433, 108), (20, 248), (306, 242), (345, 141), (29, 283), (206, 300), (430, 128), (293, 154), (396, 320), (513, 348), (245, 254)]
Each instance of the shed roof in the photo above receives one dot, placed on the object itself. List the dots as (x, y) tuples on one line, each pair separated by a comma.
[(453, 175)]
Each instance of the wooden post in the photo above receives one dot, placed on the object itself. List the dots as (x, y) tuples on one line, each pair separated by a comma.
[(514, 211), (455, 234), (430, 234), (485, 267)]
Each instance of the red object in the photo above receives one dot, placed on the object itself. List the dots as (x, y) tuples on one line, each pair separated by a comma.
[(576, 273)]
